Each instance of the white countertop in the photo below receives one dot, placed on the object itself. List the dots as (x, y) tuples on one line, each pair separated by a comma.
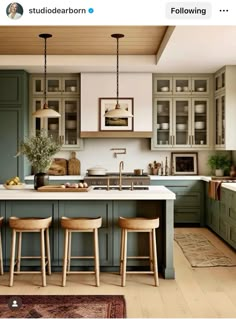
[(28, 193), (152, 177), (230, 186)]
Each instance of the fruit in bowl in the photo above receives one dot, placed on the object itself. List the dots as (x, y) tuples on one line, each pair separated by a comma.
[(14, 183)]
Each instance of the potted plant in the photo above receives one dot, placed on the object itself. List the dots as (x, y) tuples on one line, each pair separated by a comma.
[(39, 150), (219, 162)]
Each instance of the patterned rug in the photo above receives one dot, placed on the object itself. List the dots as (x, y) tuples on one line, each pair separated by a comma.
[(200, 252), (62, 306)]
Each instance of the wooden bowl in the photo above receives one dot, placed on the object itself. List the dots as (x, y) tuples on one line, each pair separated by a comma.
[(14, 187)]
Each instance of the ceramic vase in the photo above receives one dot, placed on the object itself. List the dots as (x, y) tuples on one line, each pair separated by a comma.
[(219, 172), (40, 179)]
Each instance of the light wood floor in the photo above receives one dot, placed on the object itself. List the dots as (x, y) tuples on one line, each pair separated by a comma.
[(199, 292)]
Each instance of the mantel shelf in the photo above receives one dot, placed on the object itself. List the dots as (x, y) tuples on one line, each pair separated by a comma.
[(117, 134)]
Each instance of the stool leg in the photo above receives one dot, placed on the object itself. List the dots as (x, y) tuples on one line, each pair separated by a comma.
[(1, 259), (19, 251), (121, 251), (48, 251), (155, 257), (13, 243), (43, 270), (96, 256), (65, 258), (69, 250), (151, 251), (124, 258)]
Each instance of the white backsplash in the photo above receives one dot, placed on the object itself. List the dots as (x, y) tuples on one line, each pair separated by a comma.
[(138, 155)]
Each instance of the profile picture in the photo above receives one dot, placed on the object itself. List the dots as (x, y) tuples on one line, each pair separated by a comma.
[(14, 11)]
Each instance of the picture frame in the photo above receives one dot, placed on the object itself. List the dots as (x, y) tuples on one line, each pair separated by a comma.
[(115, 124), (184, 163)]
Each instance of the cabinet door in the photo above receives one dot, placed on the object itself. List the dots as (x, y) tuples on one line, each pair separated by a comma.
[(82, 242), (9, 139), (200, 122), (220, 121), (37, 85), (163, 85), (182, 85), (200, 85), (31, 241), (162, 122), (70, 85), (54, 86), (70, 129), (220, 81), (181, 123)]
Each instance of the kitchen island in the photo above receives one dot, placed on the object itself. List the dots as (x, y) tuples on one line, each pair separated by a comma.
[(157, 201)]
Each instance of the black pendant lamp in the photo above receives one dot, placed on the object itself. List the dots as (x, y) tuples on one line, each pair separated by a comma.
[(45, 111), (118, 111)]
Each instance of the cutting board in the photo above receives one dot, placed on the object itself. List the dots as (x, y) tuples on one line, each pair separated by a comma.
[(73, 165), (58, 167), (58, 188)]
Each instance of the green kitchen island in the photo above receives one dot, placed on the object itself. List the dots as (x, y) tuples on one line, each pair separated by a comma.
[(157, 201)]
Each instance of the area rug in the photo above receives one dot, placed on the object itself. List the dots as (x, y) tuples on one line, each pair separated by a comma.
[(200, 252), (51, 306)]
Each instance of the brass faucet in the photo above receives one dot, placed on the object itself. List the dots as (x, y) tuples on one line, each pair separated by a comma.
[(121, 166)]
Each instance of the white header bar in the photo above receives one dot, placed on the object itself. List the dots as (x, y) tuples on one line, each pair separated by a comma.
[(117, 12)]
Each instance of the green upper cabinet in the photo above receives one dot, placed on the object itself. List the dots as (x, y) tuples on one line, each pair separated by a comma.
[(13, 122), (13, 91)]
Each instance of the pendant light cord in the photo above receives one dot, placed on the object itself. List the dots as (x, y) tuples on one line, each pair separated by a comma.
[(45, 70), (117, 73)]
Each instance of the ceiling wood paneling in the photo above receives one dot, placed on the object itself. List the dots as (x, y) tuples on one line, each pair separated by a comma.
[(81, 40)]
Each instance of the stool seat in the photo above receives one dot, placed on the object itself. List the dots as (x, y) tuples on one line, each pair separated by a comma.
[(72, 225), (81, 223), (27, 225), (139, 224), (1, 259)]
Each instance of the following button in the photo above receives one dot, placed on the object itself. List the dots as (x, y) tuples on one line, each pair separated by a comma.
[(190, 10)]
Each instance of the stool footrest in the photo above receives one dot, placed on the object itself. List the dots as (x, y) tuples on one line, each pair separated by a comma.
[(81, 272), (138, 257), (140, 272), (82, 257), (27, 272)]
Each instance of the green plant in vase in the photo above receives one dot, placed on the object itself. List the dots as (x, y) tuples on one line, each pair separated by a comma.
[(39, 150), (219, 162)]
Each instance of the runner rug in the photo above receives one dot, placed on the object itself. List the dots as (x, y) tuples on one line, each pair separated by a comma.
[(51, 306), (200, 252)]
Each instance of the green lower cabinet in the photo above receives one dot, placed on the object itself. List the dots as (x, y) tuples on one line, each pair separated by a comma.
[(82, 242), (221, 215), (138, 243), (31, 241), (189, 203)]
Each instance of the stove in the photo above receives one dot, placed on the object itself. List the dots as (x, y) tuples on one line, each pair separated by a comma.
[(127, 179)]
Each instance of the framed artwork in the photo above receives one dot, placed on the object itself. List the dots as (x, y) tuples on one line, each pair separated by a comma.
[(184, 163), (115, 124)]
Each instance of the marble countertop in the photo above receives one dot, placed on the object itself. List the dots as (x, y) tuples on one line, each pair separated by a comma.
[(28, 193)]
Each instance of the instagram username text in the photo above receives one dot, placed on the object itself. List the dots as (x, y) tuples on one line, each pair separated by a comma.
[(46, 10)]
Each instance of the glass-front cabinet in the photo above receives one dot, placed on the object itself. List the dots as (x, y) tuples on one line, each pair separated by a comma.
[(66, 102), (181, 85), (220, 121), (180, 123), (56, 85)]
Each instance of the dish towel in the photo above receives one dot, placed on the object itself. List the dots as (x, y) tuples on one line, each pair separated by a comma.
[(214, 189)]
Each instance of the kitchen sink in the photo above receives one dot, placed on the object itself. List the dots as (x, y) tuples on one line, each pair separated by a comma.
[(135, 188)]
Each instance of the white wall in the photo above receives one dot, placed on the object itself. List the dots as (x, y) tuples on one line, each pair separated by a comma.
[(97, 152), (97, 85)]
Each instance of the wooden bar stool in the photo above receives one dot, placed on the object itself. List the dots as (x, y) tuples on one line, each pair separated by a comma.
[(72, 225), (139, 225), (28, 225), (1, 259)]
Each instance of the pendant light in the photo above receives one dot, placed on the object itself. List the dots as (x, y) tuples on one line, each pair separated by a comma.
[(45, 111), (118, 111)]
